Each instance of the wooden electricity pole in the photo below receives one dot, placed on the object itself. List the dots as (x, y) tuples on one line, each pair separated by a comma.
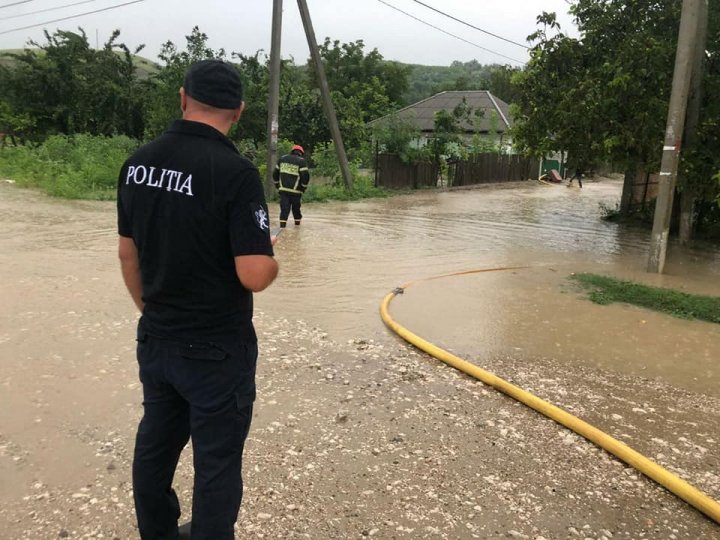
[(273, 95), (673, 134), (325, 94)]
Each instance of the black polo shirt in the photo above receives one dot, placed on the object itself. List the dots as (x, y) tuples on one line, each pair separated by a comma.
[(192, 203)]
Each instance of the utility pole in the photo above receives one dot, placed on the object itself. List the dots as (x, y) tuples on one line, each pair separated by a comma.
[(274, 95), (689, 192), (325, 94), (673, 134)]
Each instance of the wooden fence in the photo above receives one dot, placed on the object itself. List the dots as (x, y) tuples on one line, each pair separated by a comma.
[(392, 173), (644, 189), (488, 168)]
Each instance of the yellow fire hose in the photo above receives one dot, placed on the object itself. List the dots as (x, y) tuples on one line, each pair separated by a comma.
[(649, 468)]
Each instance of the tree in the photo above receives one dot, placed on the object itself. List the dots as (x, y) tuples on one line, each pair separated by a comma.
[(347, 64), (700, 159), (164, 102), (636, 63), (556, 107), (13, 126), (93, 91), (500, 83), (603, 97), (255, 76), (120, 95), (363, 86), (302, 118), (396, 135)]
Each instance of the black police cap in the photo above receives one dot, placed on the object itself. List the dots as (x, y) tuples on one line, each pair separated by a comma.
[(215, 83)]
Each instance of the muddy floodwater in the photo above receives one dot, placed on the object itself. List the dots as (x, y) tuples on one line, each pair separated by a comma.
[(356, 433), (349, 256)]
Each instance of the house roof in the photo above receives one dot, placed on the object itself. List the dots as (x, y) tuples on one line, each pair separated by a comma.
[(423, 112)]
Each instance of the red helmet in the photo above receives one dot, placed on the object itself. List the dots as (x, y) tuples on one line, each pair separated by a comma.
[(298, 148)]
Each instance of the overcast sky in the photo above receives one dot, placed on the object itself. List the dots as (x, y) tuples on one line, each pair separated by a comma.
[(245, 25)]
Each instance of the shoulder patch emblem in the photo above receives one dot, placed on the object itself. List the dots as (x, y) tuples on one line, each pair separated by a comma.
[(260, 216)]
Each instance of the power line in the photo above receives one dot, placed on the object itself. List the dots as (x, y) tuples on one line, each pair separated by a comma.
[(470, 25), (70, 17), (15, 3), (46, 10), (449, 34)]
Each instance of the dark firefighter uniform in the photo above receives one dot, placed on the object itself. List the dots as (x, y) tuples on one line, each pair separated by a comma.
[(291, 178)]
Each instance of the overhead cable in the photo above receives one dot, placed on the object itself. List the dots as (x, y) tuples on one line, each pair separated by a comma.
[(449, 34), (16, 3), (470, 25), (47, 9), (70, 17)]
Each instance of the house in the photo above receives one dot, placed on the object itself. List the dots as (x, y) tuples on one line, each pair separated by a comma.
[(494, 121)]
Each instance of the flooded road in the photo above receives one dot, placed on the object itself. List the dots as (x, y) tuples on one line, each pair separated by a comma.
[(337, 267), (346, 256), (68, 375)]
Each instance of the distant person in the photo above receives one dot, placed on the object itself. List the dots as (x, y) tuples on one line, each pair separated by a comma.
[(579, 175), (291, 177), (194, 245)]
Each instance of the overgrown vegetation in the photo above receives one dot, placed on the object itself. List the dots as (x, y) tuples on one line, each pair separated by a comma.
[(70, 142), (363, 188), (78, 167), (606, 290)]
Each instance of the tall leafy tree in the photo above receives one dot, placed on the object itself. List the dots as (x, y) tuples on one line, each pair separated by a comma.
[(164, 102), (364, 86), (93, 91), (500, 82), (636, 42), (604, 96), (255, 77)]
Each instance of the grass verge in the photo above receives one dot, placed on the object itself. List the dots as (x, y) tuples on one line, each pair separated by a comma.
[(79, 167), (606, 290), (86, 167), (363, 188)]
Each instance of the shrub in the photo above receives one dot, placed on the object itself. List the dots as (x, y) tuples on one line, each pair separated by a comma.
[(363, 188), (77, 167)]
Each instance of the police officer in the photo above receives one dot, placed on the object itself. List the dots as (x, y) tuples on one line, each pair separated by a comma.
[(291, 178), (194, 245)]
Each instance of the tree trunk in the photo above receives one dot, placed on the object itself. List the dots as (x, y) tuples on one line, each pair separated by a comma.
[(692, 120), (627, 192), (687, 215)]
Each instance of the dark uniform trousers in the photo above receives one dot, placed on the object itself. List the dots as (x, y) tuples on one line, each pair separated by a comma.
[(290, 201), (200, 389)]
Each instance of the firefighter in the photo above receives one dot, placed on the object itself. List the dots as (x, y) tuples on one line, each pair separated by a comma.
[(291, 177)]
